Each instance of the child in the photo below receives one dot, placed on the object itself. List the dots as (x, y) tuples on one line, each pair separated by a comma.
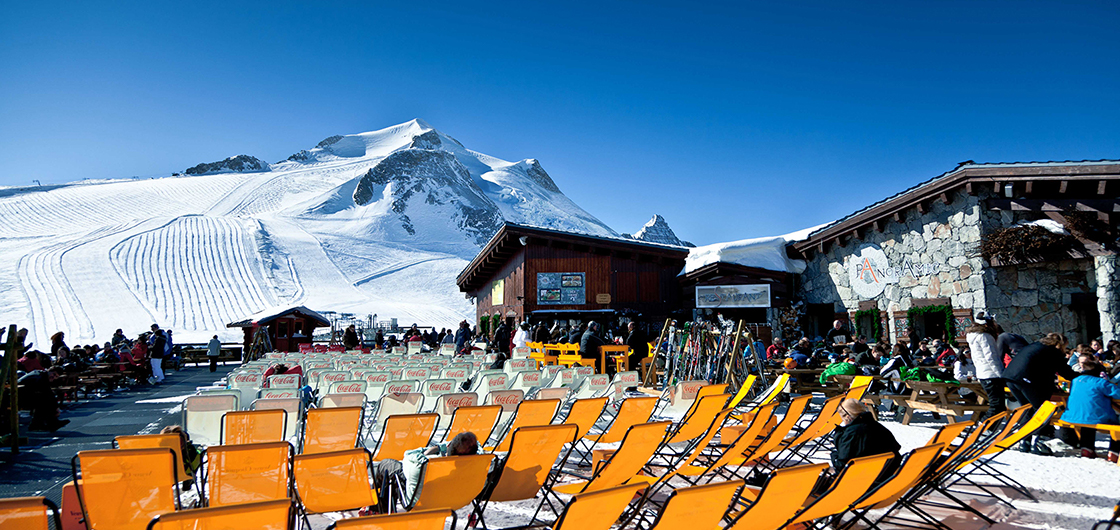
[(192, 456)]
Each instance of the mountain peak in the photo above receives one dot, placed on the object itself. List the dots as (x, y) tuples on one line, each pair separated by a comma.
[(233, 164), (657, 230)]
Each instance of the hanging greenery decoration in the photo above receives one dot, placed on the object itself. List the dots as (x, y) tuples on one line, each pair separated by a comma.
[(876, 323), (943, 310)]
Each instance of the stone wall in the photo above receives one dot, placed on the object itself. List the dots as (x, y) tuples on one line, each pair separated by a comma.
[(937, 251), (1106, 272), (938, 255), (1033, 300)]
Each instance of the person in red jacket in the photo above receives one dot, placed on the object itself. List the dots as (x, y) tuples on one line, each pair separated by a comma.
[(777, 350)]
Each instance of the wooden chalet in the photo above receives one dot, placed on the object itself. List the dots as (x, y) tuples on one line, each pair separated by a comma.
[(287, 327), (527, 273)]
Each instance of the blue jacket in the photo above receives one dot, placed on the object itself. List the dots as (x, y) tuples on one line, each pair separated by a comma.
[(1090, 401)]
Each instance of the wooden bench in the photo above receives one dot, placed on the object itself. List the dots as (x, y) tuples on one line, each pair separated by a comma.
[(197, 355), (941, 398)]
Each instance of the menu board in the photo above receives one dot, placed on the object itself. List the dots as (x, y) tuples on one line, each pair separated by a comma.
[(561, 288)]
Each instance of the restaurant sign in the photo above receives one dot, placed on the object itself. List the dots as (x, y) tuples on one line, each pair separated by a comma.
[(715, 296), (869, 270)]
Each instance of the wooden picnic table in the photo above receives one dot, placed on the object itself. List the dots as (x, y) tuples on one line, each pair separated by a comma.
[(941, 398), (807, 380)]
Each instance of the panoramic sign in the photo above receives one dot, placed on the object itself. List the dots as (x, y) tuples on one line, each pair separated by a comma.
[(561, 288), (714, 296), (869, 271)]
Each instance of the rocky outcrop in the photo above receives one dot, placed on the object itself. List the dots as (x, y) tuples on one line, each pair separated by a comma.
[(540, 176), (657, 231), (233, 164), (437, 179)]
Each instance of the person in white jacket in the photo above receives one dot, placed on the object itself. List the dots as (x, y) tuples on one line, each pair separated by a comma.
[(981, 338), (521, 337)]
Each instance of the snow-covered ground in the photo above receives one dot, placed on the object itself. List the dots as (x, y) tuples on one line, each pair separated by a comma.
[(372, 223)]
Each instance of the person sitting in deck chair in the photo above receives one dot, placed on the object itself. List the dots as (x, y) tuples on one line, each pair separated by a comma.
[(403, 477), (1090, 403), (858, 435)]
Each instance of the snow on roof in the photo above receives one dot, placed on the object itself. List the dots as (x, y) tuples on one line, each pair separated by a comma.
[(761, 252), (271, 313)]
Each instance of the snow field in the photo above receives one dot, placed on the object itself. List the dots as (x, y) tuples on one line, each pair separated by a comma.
[(195, 272)]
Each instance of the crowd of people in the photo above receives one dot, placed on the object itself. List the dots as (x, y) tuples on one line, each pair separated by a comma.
[(994, 358), (139, 360)]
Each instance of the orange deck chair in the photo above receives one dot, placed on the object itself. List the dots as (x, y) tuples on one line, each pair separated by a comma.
[(620, 466), (632, 411), (596, 510), (268, 515), (171, 441), (334, 482), (584, 413), (404, 432), (530, 413), (479, 419), (254, 426), (414, 520), (915, 465), (815, 430), (740, 446), (533, 453), (123, 489), (852, 483), (780, 498), (237, 474), (451, 482), (774, 438), (333, 429), (697, 507), (28, 513)]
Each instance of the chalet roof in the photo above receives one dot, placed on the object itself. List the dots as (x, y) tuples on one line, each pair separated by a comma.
[(273, 313), (967, 174), (506, 242)]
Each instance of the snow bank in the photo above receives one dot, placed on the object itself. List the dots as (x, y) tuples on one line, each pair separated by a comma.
[(762, 252)]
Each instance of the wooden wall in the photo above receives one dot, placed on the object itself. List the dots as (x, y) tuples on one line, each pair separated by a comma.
[(633, 282), (514, 275)]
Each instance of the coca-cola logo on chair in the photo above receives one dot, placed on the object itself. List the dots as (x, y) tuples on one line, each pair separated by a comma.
[(440, 386)]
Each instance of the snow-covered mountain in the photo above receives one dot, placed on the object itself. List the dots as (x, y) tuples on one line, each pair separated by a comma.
[(371, 223), (657, 230)]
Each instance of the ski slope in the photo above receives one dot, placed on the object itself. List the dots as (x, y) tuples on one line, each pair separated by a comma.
[(192, 253)]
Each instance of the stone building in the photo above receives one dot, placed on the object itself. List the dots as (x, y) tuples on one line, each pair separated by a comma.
[(1033, 243)]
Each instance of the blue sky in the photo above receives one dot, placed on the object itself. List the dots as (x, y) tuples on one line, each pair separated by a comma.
[(732, 120)]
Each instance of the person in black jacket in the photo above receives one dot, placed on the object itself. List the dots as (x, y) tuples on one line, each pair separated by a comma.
[(576, 334), (1030, 376), (157, 343), (860, 435), (501, 341), (350, 338), (589, 345), (638, 342), (540, 333)]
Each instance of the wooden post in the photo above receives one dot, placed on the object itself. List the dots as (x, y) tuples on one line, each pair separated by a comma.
[(732, 359), (13, 388), (652, 371)]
